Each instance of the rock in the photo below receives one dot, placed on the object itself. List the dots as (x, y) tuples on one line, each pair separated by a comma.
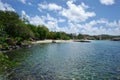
[(53, 41)]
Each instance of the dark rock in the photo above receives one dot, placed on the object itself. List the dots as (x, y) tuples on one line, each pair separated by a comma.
[(81, 41), (53, 41)]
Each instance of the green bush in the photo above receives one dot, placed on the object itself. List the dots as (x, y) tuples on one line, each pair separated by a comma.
[(19, 40), (5, 63), (2, 40), (5, 46)]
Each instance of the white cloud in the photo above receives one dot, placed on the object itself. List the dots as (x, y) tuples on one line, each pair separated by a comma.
[(107, 2), (23, 1), (36, 20), (50, 6), (102, 26), (112, 24), (76, 13), (29, 3), (24, 15), (53, 26), (94, 27), (49, 21), (108, 24), (61, 20), (5, 6), (53, 6), (50, 18)]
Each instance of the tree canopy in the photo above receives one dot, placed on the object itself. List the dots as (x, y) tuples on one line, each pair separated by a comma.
[(11, 25)]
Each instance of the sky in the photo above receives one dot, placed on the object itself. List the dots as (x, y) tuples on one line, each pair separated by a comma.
[(93, 17)]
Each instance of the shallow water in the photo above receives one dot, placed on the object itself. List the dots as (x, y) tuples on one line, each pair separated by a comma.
[(98, 60)]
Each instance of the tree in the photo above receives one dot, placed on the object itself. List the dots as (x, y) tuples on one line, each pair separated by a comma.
[(8, 18), (25, 32), (33, 28), (42, 32), (64, 36), (11, 23), (51, 35), (58, 35), (80, 36), (20, 30)]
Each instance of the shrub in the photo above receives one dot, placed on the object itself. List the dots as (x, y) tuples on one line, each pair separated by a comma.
[(6, 64)]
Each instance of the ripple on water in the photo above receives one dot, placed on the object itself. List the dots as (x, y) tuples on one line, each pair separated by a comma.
[(98, 60)]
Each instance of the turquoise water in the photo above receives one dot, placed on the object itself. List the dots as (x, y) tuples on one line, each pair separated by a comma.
[(98, 60)]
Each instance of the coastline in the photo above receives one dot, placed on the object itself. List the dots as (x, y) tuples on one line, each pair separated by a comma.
[(50, 41)]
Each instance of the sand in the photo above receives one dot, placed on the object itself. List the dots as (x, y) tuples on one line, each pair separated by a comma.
[(50, 41)]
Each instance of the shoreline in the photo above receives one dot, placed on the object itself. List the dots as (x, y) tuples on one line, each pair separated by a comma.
[(50, 41), (35, 42)]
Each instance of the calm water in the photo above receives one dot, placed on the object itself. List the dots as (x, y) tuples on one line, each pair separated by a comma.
[(98, 60)]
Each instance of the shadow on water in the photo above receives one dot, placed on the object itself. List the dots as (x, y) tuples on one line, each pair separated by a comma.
[(97, 60)]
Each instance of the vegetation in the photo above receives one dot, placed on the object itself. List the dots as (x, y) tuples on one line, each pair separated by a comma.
[(42, 32), (5, 63), (15, 31)]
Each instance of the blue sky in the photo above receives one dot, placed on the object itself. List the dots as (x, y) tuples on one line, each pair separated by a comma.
[(92, 17)]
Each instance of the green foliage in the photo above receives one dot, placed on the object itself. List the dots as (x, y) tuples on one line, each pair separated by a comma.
[(51, 35), (58, 35), (1, 27), (33, 28), (5, 63), (80, 36), (62, 35), (5, 46), (26, 42), (12, 26), (65, 36), (19, 40), (3, 35), (42, 32), (8, 18), (106, 37), (11, 23), (19, 31), (2, 40)]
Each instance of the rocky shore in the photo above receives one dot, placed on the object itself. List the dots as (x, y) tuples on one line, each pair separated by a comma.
[(14, 46), (6, 48)]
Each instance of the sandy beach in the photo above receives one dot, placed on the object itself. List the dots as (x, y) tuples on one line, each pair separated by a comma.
[(50, 41)]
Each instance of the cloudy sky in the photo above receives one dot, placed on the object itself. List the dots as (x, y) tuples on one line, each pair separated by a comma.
[(92, 17)]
